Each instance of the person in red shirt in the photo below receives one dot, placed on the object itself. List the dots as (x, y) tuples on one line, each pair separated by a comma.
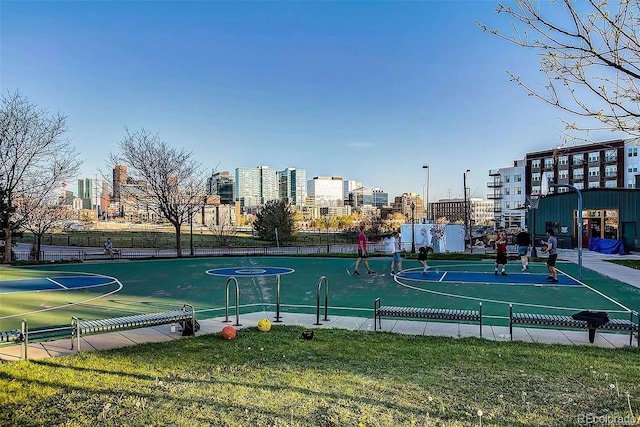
[(501, 253), (362, 253)]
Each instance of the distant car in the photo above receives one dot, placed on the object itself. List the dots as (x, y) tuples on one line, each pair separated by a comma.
[(75, 227)]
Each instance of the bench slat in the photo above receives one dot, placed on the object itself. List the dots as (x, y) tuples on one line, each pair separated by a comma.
[(561, 321), (426, 313)]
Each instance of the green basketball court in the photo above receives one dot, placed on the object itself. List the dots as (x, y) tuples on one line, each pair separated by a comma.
[(52, 294)]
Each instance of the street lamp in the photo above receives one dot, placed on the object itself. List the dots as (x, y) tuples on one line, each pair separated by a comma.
[(413, 231), (466, 211), (190, 229), (428, 182)]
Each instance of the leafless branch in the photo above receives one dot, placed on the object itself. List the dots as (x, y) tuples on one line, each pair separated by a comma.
[(589, 53)]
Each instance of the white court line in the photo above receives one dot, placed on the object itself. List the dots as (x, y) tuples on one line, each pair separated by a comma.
[(56, 283), (596, 291), (120, 286), (446, 294)]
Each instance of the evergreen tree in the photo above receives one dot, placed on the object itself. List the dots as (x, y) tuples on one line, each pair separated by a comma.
[(275, 222)]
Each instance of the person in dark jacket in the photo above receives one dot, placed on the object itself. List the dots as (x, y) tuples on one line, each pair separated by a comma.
[(523, 242)]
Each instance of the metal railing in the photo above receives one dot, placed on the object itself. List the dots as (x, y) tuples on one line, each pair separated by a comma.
[(93, 254)]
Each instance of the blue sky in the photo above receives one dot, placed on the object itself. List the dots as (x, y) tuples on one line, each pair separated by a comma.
[(367, 90)]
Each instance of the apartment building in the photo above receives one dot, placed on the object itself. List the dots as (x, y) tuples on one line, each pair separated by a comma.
[(507, 191), (611, 164)]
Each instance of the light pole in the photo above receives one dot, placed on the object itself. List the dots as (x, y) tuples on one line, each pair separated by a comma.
[(413, 232), (428, 182), (466, 211), (579, 231), (190, 230)]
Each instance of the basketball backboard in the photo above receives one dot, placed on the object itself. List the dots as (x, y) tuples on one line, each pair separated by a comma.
[(546, 179)]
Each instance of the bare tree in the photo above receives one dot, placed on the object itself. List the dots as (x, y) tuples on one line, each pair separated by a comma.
[(222, 232), (34, 159), (590, 54), (40, 216), (173, 180)]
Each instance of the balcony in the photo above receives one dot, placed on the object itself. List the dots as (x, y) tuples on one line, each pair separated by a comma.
[(610, 159), (494, 184), (611, 174), (494, 196)]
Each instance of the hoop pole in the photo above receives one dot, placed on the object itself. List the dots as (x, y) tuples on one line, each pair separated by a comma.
[(277, 299), (534, 202), (579, 237)]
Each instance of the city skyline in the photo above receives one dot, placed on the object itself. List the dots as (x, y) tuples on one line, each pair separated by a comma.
[(370, 91)]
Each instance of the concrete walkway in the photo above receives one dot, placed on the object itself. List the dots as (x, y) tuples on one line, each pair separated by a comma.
[(598, 262), (590, 260)]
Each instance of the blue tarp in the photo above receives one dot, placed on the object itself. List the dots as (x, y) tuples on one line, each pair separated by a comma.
[(607, 246)]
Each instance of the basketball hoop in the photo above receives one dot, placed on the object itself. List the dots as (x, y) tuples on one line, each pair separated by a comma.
[(533, 201)]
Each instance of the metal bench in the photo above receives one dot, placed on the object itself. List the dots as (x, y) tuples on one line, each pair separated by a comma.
[(91, 327), (568, 322), (79, 328), (25, 335), (424, 313)]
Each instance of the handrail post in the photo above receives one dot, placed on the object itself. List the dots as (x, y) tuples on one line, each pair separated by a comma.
[(480, 319), (277, 299), (637, 328), (226, 306), (189, 308), (25, 339), (75, 330), (511, 322), (324, 280)]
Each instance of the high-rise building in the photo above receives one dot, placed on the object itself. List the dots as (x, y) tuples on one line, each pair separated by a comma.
[(349, 186), (255, 186), (119, 179), (369, 196), (88, 193), (292, 186), (221, 184), (402, 204), (326, 191)]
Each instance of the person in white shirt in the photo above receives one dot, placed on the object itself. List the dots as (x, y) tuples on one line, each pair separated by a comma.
[(392, 246)]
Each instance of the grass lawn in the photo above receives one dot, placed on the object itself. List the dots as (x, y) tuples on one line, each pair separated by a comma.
[(632, 263), (340, 378)]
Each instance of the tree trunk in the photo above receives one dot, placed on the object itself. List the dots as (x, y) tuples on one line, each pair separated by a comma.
[(7, 245), (178, 241), (38, 246)]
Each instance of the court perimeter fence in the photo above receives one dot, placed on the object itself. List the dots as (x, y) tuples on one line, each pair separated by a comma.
[(91, 253)]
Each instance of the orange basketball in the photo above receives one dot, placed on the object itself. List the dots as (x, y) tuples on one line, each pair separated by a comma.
[(228, 332)]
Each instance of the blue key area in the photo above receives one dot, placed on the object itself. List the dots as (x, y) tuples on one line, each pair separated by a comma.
[(53, 283), (523, 279)]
